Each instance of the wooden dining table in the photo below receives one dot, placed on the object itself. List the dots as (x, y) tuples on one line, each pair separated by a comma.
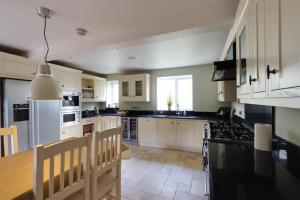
[(16, 173)]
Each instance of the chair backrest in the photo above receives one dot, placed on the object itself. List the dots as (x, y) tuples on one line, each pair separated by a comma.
[(11, 133), (106, 148), (106, 155), (62, 169)]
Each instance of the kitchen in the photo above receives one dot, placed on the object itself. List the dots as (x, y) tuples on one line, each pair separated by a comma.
[(202, 106)]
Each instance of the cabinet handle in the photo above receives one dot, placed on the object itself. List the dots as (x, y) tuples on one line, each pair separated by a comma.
[(251, 79), (269, 71), (237, 86)]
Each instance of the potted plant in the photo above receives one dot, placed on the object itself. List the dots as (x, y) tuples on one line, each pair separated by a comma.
[(169, 102)]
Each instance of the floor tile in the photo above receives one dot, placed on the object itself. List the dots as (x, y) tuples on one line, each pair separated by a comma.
[(153, 182), (198, 187), (134, 174), (154, 197), (169, 190), (186, 196), (183, 188), (132, 194)]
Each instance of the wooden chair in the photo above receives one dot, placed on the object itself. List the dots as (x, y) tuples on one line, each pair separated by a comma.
[(13, 134), (62, 170), (106, 164)]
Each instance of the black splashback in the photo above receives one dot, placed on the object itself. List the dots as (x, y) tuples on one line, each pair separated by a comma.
[(258, 114)]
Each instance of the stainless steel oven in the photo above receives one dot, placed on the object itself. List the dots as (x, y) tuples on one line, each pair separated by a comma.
[(71, 101), (70, 117)]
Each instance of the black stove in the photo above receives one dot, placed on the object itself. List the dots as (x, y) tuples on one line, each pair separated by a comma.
[(230, 131)]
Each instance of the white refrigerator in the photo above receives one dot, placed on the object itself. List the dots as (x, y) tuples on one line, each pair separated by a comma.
[(44, 122), (41, 126)]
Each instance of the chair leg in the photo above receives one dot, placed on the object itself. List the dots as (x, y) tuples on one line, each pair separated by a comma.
[(118, 185), (93, 188)]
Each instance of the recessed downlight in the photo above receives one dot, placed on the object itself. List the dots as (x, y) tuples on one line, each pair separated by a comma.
[(131, 58), (81, 31)]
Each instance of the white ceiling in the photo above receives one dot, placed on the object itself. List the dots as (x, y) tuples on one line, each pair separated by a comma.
[(159, 33)]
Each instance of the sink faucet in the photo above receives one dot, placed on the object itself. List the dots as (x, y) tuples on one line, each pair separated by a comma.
[(178, 112)]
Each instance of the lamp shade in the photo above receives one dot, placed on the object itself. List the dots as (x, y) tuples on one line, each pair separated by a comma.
[(44, 87)]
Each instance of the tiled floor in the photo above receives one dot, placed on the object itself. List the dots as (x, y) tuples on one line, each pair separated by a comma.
[(160, 174)]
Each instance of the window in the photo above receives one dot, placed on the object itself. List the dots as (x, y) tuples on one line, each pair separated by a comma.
[(175, 90), (112, 94)]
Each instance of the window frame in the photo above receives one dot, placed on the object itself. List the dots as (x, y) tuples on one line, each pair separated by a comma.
[(176, 78), (111, 83)]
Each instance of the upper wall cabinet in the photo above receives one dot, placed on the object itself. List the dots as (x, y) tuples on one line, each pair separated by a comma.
[(135, 88), (93, 88), (268, 53), (68, 79), (12, 66)]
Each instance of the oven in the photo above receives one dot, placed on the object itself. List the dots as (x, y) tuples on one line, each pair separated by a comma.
[(70, 101), (70, 117)]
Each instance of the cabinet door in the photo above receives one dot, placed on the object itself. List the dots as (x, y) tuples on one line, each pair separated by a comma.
[(272, 36), (138, 89), (185, 133), (100, 90), (17, 69), (71, 131), (147, 129), (166, 132), (198, 134), (258, 48), (243, 62), (124, 92), (289, 73), (68, 81)]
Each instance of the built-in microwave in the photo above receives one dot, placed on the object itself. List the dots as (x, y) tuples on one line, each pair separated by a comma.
[(70, 117), (70, 101)]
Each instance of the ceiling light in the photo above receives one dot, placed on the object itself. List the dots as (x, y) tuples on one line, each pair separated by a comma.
[(131, 58), (44, 87)]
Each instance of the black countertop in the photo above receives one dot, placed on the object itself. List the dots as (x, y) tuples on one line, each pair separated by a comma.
[(237, 171), (154, 114)]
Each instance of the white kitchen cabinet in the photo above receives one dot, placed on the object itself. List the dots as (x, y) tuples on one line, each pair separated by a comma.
[(12, 66), (287, 77), (71, 131), (147, 129), (166, 130), (100, 90), (68, 79), (135, 88), (227, 91), (108, 122), (185, 133), (182, 134), (93, 88), (243, 61)]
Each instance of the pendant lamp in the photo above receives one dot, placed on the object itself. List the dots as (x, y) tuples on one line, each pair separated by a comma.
[(44, 87)]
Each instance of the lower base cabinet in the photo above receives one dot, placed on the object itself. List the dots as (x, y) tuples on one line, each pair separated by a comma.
[(108, 122), (71, 131), (182, 134)]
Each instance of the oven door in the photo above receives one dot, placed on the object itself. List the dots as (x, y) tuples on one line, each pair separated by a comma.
[(71, 100), (70, 118)]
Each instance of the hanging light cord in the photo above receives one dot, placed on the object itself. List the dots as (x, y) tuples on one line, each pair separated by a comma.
[(45, 38)]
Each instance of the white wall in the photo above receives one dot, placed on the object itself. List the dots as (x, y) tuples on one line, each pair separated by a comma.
[(287, 124), (204, 91)]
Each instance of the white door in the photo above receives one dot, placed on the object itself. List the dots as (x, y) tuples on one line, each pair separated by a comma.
[(185, 133), (166, 132), (100, 90), (147, 129)]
